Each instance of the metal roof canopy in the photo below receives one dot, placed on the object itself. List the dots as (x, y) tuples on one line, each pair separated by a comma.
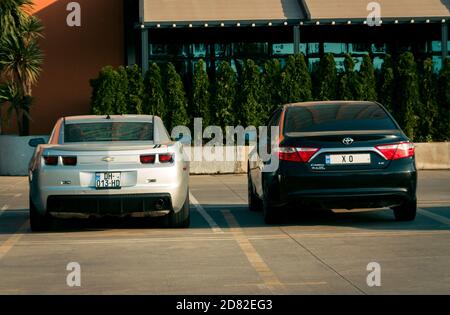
[(199, 12), (390, 9), (223, 13)]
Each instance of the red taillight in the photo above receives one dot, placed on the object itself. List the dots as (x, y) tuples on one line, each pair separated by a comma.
[(302, 155), (166, 158), (51, 160), (148, 159), (396, 151), (69, 160)]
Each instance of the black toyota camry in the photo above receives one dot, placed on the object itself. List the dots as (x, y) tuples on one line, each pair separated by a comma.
[(339, 154)]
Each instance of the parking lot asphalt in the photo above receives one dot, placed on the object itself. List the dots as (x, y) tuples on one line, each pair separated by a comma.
[(229, 250)]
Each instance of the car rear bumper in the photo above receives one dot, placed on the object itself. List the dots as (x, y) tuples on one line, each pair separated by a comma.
[(344, 190), (139, 205), (351, 198)]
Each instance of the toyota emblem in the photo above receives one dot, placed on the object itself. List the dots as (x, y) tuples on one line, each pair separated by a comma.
[(347, 141)]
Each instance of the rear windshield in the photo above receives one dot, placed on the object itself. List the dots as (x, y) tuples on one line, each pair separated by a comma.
[(108, 131), (337, 117)]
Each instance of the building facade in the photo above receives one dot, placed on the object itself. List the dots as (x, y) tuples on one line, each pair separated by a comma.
[(115, 32)]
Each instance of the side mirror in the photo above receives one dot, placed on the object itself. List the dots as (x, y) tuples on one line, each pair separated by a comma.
[(35, 142)]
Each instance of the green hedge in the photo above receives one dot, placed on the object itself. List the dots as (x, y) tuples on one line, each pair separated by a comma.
[(418, 98)]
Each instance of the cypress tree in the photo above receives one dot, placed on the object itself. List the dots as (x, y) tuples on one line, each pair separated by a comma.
[(430, 108), (154, 94), (443, 132), (107, 93), (121, 88), (250, 107), (296, 83), (135, 93), (225, 94), (350, 88), (271, 94), (200, 93), (407, 93), (386, 92), (326, 79), (368, 81), (175, 98)]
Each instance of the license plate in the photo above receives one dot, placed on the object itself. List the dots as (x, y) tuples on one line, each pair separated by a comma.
[(107, 180), (344, 159)]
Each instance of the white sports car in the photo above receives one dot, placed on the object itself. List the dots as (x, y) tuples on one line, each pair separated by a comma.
[(94, 166)]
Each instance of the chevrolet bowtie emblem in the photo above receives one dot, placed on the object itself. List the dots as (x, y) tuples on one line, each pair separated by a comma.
[(108, 159)]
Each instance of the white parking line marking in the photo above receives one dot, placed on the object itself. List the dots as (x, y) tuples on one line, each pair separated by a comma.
[(435, 217), (214, 226)]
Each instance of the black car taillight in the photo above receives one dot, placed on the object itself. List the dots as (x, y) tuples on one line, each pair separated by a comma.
[(302, 155), (69, 160), (395, 151), (51, 160), (166, 158), (148, 159)]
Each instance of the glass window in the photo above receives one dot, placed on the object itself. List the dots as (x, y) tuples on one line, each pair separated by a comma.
[(250, 49), (436, 46), (378, 48), (222, 50), (358, 48), (335, 48), (158, 50), (337, 117), (313, 63), (378, 62), (437, 63), (282, 49), (108, 131), (339, 64), (313, 48), (200, 50)]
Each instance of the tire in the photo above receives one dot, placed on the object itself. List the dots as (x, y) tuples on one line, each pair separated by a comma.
[(406, 212), (38, 222), (254, 203), (181, 219), (271, 214)]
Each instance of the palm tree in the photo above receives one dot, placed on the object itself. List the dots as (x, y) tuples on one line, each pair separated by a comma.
[(20, 58)]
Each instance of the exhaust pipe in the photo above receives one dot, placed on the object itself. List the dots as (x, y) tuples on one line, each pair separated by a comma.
[(160, 204)]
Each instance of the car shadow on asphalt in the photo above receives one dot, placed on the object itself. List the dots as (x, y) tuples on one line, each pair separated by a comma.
[(370, 219)]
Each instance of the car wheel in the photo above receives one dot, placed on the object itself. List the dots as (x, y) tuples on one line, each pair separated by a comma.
[(271, 213), (38, 222), (182, 218), (406, 212), (254, 203)]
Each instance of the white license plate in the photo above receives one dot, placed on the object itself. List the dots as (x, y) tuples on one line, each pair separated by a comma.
[(343, 159), (107, 180)]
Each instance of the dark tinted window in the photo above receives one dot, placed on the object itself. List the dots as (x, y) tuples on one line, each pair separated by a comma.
[(336, 117), (108, 131)]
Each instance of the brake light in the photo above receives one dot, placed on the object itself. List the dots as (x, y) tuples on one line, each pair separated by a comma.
[(148, 159), (166, 158), (69, 160), (397, 151), (51, 160), (302, 155)]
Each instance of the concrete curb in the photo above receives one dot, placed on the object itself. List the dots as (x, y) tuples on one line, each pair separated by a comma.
[(15, 155)]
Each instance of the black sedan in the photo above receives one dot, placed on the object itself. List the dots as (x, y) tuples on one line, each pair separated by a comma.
[(339, 154)]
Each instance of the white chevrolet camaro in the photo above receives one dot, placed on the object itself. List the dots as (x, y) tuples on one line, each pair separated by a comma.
[(95, 166)]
